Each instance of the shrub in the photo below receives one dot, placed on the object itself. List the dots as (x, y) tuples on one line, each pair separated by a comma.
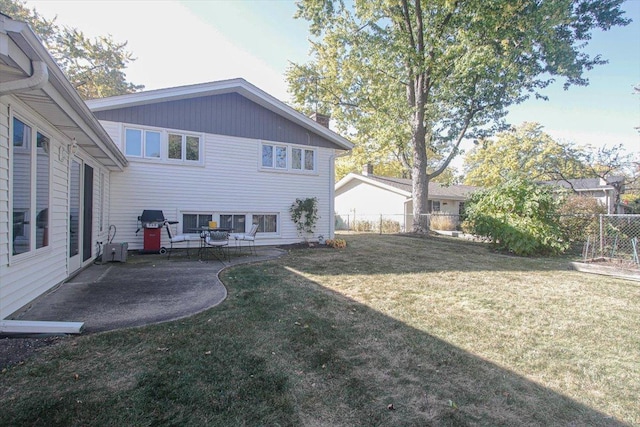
[(579, 217), (304, 213), (443, 222), (363, 226), (517, 216), (336, 243), (390, 226)]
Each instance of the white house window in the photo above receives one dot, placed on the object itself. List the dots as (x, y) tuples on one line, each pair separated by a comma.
[(302, 159), (193, 148), (184, 147), (274, 156), (193, 221), (133, 142), (234, 222), (266, 223), (139, 143), (433, 205), (30, 188), (152, 144)]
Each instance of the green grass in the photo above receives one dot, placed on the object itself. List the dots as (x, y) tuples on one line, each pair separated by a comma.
[(446, 331)]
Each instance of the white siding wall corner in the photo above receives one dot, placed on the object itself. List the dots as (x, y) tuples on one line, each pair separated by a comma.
[(231, 182)]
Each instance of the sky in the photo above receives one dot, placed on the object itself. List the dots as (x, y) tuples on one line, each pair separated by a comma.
[(186, 42)]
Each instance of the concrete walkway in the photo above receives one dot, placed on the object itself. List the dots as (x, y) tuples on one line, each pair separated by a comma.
[(146, 289)]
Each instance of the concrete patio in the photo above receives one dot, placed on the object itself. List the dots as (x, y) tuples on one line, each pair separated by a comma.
[(146, 289)]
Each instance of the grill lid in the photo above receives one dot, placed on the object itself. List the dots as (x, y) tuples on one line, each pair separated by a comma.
[(151, 216)]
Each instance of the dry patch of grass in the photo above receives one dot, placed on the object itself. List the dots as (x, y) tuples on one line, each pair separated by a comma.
[(446, 331)]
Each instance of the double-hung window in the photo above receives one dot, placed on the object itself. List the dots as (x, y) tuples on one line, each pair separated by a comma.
[(142, 143), (30, 188), (303, 159), (184, 147), (234, 222), (191, 222), (274, 156), (267, 223)]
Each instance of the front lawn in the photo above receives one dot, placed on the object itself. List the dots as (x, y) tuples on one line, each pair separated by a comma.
[(390, 331)]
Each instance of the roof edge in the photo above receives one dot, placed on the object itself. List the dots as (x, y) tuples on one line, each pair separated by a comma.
[(237, 85), (60, 83), (355, 176)]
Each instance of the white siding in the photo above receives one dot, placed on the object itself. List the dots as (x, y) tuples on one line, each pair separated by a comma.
[(368, 199), (27, 276), (229, 182), (4, 191)]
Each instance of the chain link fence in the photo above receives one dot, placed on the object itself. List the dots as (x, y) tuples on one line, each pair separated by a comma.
[(615, 237), (392, 223)]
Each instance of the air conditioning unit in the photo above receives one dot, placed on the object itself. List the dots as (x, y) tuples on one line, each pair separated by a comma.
[(115, 252)]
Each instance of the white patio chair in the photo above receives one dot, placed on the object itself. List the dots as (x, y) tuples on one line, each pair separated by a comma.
[(248, 237), (218, 241), (176, 239)]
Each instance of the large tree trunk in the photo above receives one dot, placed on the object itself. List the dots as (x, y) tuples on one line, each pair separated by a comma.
[(420, 179), (420, 190)]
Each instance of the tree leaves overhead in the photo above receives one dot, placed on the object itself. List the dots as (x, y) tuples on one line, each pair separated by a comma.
[(95, 67), (412, 79)]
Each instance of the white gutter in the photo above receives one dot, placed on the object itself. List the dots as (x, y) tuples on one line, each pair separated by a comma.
[(37, 80)]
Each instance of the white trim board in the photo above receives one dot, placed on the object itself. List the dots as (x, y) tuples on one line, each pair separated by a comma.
[(39, 327)]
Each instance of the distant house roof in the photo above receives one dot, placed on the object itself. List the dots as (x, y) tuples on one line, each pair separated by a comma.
[(586, 184), (404, 186), (238, 86)]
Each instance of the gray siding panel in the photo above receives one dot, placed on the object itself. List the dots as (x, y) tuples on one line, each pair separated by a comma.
[(229, 114)]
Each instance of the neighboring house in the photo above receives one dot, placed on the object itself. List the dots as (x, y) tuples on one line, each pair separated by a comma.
[(56, 162), (368, 196), (606, 192), (223, 151)]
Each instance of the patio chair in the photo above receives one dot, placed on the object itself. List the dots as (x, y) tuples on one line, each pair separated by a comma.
[(249, 237), (218, 241), (176, 239)]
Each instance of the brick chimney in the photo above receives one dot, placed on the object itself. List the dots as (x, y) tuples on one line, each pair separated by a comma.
[(367, 169), (321, 119)]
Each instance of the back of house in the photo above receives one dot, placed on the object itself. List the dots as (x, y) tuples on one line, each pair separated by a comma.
[(222, 151)]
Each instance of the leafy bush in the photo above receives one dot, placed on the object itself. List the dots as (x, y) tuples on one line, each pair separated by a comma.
[(304, 213), (579, 217), (443, 222), (517, 216), (336, 243)]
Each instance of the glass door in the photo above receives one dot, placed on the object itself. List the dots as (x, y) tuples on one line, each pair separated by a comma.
[(75, 230)]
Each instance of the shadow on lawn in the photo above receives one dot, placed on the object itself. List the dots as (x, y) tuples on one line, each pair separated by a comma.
[(284, 350), (354, 362)]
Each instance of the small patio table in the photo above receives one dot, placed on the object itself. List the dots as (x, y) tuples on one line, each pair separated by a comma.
[(204, 232)]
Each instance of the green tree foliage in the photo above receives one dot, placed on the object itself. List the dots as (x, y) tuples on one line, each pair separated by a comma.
[(524, 151), (95, 67), (415, 78), (517, 216)]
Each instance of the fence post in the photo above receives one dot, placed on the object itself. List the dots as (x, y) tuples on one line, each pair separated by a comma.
[(601, 236), (380, 224)]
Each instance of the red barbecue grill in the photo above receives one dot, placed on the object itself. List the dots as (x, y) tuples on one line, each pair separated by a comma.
[(152, 222)]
